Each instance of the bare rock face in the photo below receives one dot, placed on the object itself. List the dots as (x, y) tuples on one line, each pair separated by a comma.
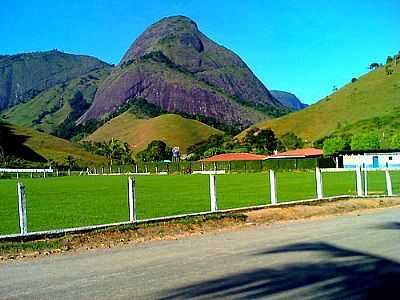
[(175, 66)]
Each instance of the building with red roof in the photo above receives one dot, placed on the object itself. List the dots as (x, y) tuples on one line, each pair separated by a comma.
[(234, 156), (298, 153)]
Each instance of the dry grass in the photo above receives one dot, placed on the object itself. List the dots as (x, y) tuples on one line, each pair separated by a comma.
[(174, 130)]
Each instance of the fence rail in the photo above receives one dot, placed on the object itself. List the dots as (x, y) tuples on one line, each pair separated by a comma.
[(361, 187)]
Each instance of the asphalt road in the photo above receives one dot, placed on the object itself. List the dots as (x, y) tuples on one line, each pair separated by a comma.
[(346, 257)]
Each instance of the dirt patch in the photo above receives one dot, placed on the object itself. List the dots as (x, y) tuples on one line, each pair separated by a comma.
[(297, 212), (177, 229)]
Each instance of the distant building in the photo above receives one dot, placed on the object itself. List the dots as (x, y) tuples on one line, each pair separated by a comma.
[(369, 160)]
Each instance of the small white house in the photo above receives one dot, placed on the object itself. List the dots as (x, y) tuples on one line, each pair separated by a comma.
[(372, 160)]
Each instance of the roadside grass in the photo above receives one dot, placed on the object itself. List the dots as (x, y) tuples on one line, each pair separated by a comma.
[(65, 202), (28, 246), (116, 235)]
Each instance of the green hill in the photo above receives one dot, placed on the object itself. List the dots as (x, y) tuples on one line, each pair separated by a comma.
[(173, 129), (51, 108), (370, 103), (33, 145)]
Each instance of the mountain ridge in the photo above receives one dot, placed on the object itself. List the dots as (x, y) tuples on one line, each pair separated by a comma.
[(25, 75), (288, 99), (212, 80)]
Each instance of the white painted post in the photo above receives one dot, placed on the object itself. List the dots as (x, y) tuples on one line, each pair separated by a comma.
[(31, 174), (69, 172), (272, 183), (145, 168), (213, 193), (119, 170), (202, 166), (365, 181), (57, 173), (23, 221), (318, 177), (136, 168), (17, 175), (110, 169), (359, 182), (388, 183), (156, 170), (132, 199), (44, 174)]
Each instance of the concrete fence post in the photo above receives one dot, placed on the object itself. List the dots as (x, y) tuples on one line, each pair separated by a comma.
[(388, 183), (23, 221), (213, 193), (132, 199), (359, 182), (320, 189), (272, 183)]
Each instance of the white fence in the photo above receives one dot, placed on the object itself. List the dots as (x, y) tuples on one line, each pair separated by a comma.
[(31, 171), (361, 191)]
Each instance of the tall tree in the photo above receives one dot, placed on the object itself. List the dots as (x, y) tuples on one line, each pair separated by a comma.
[(291, 141), (334, 145), (365, 141)]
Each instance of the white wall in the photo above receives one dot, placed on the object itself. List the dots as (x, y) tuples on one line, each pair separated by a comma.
[(392, 160)]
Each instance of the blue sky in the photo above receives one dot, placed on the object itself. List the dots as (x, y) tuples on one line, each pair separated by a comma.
[(305, 47)]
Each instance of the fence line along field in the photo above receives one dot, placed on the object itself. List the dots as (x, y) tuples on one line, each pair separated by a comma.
[(74, 201)]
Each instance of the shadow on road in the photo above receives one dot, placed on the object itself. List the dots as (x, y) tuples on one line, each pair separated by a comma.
[(342, 274), (390, 226)]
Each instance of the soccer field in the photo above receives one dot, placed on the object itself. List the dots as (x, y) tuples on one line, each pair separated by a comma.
[(64, 202)]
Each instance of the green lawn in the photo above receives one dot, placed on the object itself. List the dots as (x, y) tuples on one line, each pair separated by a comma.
[(339, 183), (62, 202), (295, 185)]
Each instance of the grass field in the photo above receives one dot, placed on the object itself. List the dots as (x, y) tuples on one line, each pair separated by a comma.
[(63, 202)]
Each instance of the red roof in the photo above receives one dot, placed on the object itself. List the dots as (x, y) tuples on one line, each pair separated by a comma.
[(235, 156), (307, 152)]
